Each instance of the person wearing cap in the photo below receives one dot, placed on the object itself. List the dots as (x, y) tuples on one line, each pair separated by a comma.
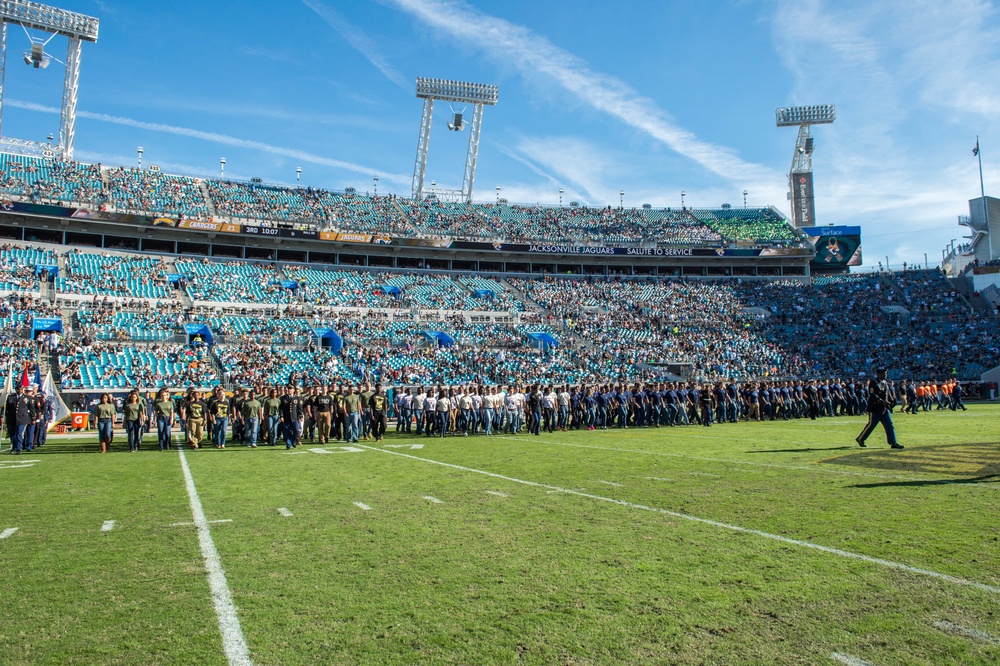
[(322, 407), (881, 400)]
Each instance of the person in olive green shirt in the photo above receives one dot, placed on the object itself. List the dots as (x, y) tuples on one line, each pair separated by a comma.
[(163, 410), (272, 410), (106, 421), (378, 403), (252, 410), (352, 408), (132, 416)]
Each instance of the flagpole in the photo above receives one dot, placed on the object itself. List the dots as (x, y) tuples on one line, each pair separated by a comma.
[(982, 191)]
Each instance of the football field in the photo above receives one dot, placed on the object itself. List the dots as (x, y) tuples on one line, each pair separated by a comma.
[(763, 543)]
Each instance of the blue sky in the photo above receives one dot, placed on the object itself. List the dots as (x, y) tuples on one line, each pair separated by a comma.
[(652, 98)]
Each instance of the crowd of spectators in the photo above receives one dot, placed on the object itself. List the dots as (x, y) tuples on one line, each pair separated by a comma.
[(234, 281), (120, 276), (136, 190)]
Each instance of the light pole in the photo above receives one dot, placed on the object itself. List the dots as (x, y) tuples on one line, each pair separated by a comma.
[(298, 174), (682, 200), (745, 193), (140, 157), (560, 197), (621, 198), (222, 167), (375, 178)]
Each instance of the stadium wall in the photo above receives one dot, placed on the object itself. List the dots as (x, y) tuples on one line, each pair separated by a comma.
[(459, 256)]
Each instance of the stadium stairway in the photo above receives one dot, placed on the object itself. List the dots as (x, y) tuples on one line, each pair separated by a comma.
[(965, 291), (208, 198)]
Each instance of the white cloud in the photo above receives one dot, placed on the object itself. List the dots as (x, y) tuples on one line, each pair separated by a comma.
[(221, 139), (360, 41), (534, 55)]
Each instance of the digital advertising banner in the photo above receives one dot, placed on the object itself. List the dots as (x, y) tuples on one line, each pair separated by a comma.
[(835, 246)]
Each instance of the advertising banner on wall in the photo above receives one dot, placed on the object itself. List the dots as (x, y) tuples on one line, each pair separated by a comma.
[(803, 200)]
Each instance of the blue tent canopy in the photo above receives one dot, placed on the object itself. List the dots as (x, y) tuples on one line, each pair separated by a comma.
[(328, 337), (53, 270), (441, 338), (194, 330), (542, 340), (485, 294), (45, 324), (390, 289)]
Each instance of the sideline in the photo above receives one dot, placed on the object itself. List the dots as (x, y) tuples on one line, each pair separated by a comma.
[(233, 642), (955, 580)]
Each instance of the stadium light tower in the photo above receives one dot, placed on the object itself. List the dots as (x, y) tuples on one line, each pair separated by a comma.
[(77, 28), (800, 178), (477, 94)]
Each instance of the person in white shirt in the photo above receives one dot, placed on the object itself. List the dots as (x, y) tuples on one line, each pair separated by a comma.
[(466, 414), (443, 408), (417, 405), (564, 400), (477, 411)]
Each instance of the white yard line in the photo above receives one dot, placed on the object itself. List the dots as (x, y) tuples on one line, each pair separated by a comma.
[(432, 500), (497, 493), (285, 512), (659, 478), (108, 526), (955, 580), (234, 645), (8, 532), (974, 634), (209, 522), (362, 506), (612, 483), (728, 461), (849, 660)]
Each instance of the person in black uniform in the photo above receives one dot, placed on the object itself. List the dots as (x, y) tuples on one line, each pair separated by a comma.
[(10, 420), (291, 409), (377, 402), (881, 400)]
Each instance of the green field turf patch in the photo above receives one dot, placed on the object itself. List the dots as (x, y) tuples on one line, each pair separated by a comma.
[(502, 571)]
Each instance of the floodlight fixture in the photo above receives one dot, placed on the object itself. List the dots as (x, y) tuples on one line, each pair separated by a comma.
[(819, 114), (36, 16), (448, 90), (77, 28)]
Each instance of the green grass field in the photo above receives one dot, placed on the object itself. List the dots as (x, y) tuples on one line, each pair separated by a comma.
[(570, 548)]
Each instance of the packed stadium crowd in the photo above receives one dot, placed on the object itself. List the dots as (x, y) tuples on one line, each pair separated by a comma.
[(152, 192), (746, 349)]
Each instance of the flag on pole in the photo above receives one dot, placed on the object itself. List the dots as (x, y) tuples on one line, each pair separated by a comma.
[(25, 382), (60, 412), (38, 376), (975, 151)]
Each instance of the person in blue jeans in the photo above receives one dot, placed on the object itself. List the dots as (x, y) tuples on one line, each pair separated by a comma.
[(163, 410), (132, 415), (251, 418), (218, 412)]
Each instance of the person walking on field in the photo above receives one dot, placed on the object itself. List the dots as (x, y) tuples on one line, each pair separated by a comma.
[(106, 421), (881, 400)]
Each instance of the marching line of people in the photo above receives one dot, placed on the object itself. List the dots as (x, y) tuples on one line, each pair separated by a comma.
[(350, 413)]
